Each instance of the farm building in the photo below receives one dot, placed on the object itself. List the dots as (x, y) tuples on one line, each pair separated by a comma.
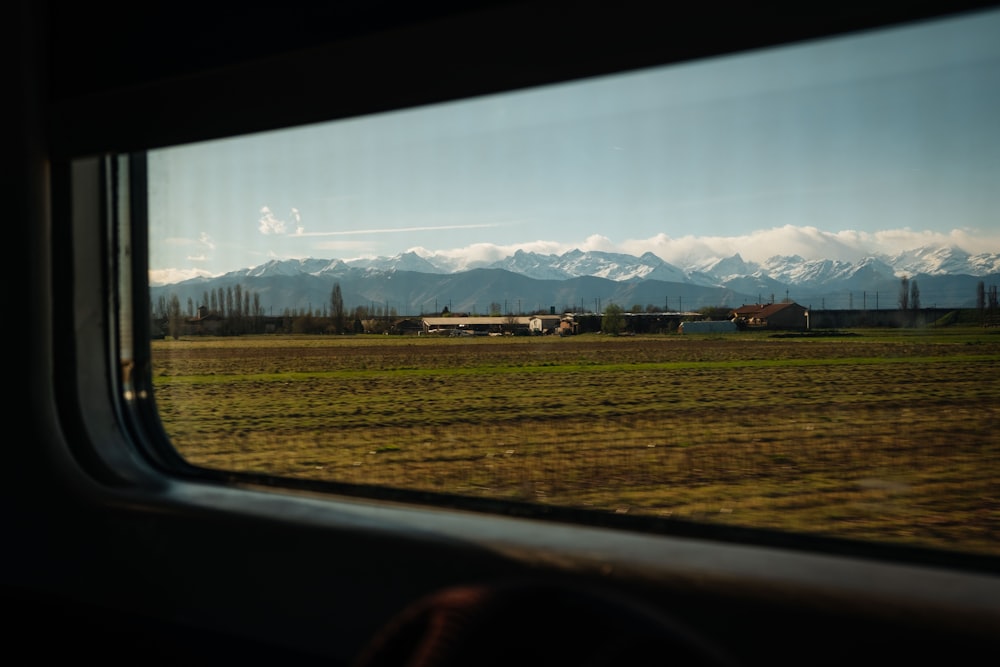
[(708, 326), (506, 324), (540, 324), (473, 325), (788, 315), (204, 323), (408, 325)]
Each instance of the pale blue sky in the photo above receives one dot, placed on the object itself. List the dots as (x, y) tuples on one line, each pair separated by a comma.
[(877, 142)]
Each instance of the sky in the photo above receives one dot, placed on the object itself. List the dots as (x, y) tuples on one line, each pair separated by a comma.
[(865, 144)]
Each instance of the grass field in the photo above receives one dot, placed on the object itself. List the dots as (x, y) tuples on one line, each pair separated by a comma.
[(885, 435)]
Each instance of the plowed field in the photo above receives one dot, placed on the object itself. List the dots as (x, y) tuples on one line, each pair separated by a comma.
[(885, 436)]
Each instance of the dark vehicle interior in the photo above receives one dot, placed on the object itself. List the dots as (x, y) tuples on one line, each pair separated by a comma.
[(109, 557)]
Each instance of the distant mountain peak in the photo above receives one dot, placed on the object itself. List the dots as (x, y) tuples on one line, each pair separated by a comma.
[(947, 274)]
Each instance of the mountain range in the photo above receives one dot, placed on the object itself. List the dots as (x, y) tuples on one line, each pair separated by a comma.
[(578, 281)]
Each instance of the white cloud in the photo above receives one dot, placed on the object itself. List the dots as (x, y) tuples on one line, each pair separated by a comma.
[(807, 242), (269, 224), (484, 253), (758, 246), (599, 243), (478, 253), (685, 251)]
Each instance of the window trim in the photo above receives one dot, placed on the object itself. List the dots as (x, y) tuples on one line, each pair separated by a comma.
[(85, 465), (107, 206)]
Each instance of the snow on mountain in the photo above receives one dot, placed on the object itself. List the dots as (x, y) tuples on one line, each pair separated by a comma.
[(407, 261), (288, 267), (984, 264), (724, 270), (616, 266), (726, 267), (945, 260), (416, 282), (534, 265), (788, 270), (663, 270), (794, 270)]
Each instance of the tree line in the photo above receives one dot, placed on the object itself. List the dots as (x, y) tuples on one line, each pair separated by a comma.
[(235, 311), (238, 311)]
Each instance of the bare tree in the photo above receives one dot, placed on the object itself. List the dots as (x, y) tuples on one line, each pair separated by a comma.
[(161, 307), (904, 294), (337, 314), (175, 320), (510, 323), (237, 310)]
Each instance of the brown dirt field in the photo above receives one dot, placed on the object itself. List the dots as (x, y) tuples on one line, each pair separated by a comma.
[(887, 439)]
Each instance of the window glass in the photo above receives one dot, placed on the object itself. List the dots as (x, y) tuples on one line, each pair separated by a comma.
[(758, 290)]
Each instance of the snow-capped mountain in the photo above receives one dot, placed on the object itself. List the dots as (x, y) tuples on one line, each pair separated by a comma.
[(795, 270), (291, 267), (408, 261), (944, 261), (948, 276), (791, 269), (576, 263)]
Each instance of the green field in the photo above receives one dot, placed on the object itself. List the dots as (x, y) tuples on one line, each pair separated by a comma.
[(885, 435)]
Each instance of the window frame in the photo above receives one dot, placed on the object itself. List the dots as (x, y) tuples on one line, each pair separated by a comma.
[(112, 461)]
